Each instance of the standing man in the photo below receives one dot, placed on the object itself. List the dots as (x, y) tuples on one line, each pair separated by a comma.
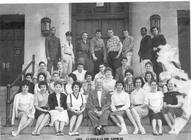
[(52, 48), (145, 51), (67, 54), (128, 44), (114, 49), (99, 103), (157, 40), (98, 50)]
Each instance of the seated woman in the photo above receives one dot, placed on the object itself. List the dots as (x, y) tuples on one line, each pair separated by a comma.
[(58, 108), (108, 81), (128, 81), (154, 100), (40, 77), (23, 108), (149, 68), (148, 78), (172, 105), (70, 80), (76, 105), (120, 105), (138, 108), (41, 104)]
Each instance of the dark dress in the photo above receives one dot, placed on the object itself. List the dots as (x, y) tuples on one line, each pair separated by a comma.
[(156, 42), (145, 51)]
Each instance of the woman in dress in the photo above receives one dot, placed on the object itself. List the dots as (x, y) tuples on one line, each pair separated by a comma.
[(76, 105), (41, 104), (172, 105), (40, 77), (83, 52), (58, 108), (128, 81), (23, 108), (120, 105), (108, 81), (138, 108), (154, 100)]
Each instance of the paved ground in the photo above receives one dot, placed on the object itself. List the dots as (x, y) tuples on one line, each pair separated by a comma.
[(182, 136)]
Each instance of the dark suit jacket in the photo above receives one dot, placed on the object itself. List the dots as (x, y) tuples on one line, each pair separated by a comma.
[(145, 50), (52, 101), (93, 104), (53, 47)]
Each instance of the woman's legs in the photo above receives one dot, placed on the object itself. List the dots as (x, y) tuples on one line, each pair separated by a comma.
[(78, 122), (72, 122), (61, 126), (129, 115), (168, 120), (38, 122), (154, 126), (123, 126), (159, 125), (44, 121), (138, 120), (56, 124), (115, 120), (24, 122)]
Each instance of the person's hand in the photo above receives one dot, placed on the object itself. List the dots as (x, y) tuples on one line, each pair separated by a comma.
[(94, 58), (117, 57), (44, 110)]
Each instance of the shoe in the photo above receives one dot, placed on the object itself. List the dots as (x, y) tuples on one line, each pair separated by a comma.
[(155, 133), (142, 131), (57, 133), (135, 131), (71, 134), (34, 133), (102, 131), (61, 133), (161, 134), (97, 131), (13, 133), (76, 133), (123, 132)]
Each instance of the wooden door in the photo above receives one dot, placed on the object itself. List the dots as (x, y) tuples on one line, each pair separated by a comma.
[(87, 17), (184, 39), (11, 47)]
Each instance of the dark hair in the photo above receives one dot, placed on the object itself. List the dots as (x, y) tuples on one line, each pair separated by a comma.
[(80, 64), (84, 33), (78, 84), (154, 28), (144, 28), (124, 30), (29, 74), (137, 78), (154, 81), (149, 62), (108, 69), (55, 72), (123, 58), (43, 83), (73, 76), (119, 82), (149, 72), (41, 62), (89, 73), (43, 74), (58, 82), (98, 30), (23, 83), (69, 33), (129, 71), (109, 29)]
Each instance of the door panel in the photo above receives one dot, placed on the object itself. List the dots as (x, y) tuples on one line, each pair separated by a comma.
[(184, 40), (11, 47)]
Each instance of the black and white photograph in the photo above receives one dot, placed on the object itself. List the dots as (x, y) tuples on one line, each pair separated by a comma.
[(95, 70)]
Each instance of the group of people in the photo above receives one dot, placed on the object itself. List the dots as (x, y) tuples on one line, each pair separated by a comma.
[(103, 86)]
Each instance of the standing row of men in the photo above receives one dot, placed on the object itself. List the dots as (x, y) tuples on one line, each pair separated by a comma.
[(111, 53)]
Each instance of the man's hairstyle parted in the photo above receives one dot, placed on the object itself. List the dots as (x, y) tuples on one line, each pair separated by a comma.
[(29, 74), (98, 31), (149, 63), (58, 82), (41, 62), (43, 83), (129, 71)]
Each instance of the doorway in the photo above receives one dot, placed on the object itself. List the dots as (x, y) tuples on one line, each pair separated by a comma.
[(183, 20), (11, 47)]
